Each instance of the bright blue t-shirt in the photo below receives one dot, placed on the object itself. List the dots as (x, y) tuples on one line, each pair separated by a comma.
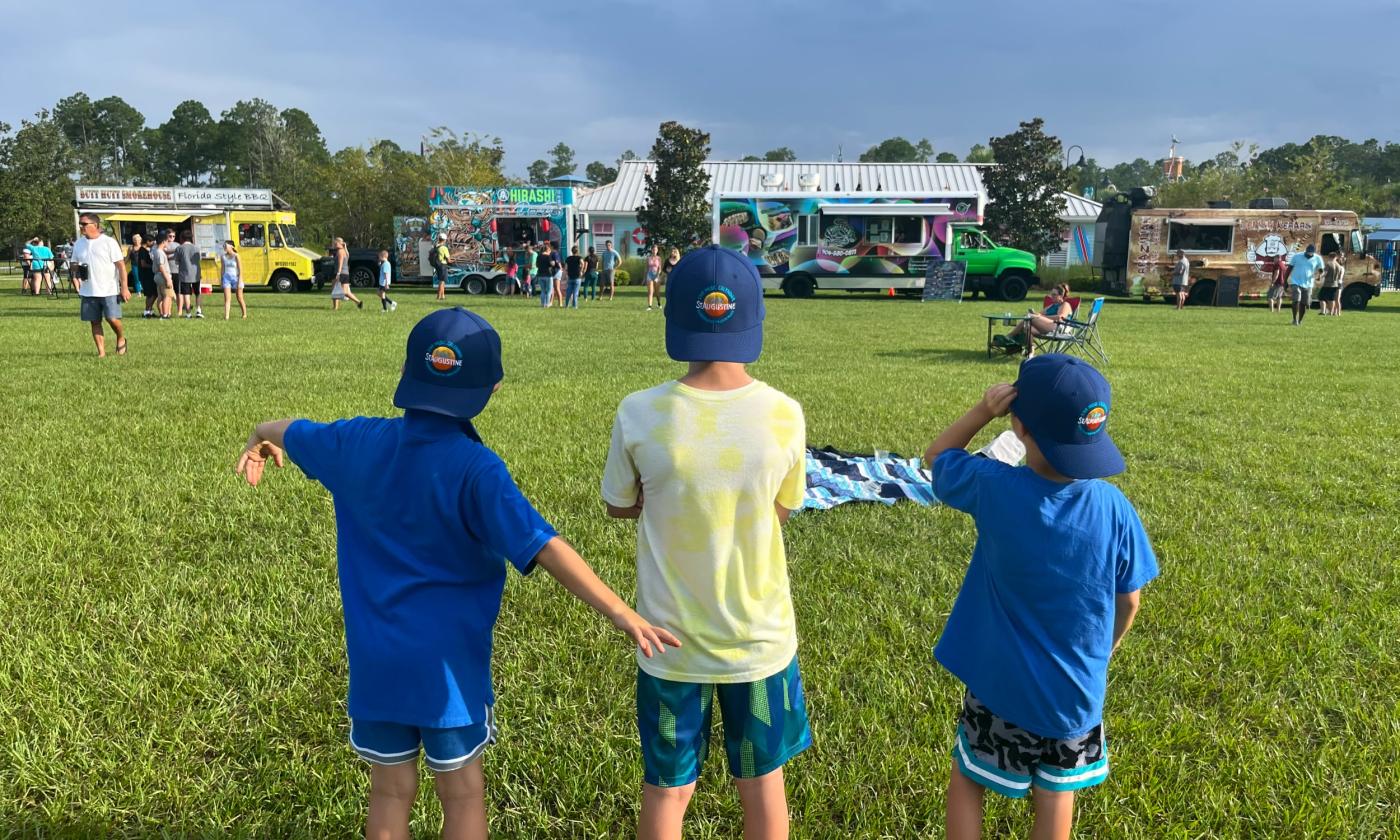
[(427, 518), (1032, 627), (41, 254), (610, 259), (1304, 268), (384, 273)]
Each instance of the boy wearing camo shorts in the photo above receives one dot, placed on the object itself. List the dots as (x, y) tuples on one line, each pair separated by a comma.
[(1051, 590)]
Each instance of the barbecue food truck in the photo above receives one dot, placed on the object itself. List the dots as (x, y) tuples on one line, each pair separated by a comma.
[(263, 226), (1139, 243), (484, 227), (804, 241)]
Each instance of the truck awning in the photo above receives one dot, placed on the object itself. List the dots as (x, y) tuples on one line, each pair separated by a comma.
[(156, 215), (885, 209)]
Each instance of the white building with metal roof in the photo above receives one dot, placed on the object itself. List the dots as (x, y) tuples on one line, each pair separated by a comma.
[(1077, 238), (612, 208)]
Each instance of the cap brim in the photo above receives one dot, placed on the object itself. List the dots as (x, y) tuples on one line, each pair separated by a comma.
[(1099, 458), (461, 403), (742, 347)]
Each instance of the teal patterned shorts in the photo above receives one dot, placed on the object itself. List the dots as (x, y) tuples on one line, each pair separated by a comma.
[(765, 724)]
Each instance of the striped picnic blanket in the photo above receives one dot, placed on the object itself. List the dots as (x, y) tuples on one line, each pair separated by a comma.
[(835, 477)]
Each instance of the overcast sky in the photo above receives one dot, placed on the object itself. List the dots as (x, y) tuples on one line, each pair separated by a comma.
[(1118, 78)]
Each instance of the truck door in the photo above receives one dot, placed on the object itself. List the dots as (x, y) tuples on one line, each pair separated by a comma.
[(253, 247), (976, 250)]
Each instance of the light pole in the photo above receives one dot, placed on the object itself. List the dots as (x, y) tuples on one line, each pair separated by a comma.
[(1080, 162)]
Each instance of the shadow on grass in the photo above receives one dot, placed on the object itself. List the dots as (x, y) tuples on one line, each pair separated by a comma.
[(930, 354)]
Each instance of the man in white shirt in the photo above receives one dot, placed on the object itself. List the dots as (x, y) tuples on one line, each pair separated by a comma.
[(99, 262)]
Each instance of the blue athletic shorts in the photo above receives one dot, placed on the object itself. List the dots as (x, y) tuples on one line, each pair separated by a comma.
[(765, 724), (1000, 755), (444, 750)]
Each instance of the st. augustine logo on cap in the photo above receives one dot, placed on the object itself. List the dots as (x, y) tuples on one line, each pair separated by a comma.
[(716, 304), (444, 358), (1093, 418)]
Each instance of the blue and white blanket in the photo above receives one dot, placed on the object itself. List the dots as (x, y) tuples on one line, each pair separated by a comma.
[(835, 477)]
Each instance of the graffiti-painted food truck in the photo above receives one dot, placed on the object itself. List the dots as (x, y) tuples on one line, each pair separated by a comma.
[(1140, 243), (484, 227), (804, 241), (263, 226)]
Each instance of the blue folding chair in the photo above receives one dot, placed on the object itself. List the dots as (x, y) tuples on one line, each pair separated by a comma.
[(1077, 337)]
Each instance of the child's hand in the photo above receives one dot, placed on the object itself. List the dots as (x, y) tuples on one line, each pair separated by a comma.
[(644, 634), (250, 463), (997, 401)]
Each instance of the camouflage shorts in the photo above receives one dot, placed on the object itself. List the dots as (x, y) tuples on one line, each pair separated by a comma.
[(1002, 756)]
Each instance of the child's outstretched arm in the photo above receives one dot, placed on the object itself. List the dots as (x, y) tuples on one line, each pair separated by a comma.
[(566, 566), (995, 403), (265, 442)]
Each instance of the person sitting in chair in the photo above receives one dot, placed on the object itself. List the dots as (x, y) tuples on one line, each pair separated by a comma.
[(1040, 323)]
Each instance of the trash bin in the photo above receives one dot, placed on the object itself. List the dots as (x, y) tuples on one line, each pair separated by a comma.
[(1227, 291)]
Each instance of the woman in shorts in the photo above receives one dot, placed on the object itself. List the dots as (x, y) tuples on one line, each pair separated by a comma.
[(670, 263), (653, 273), (340, 286), (1330, 298), (232, 278)]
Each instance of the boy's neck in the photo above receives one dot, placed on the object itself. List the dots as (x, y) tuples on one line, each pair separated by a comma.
[(716, 376), (1041, 467)]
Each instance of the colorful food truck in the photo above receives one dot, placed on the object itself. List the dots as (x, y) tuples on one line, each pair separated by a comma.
[(804, 241), (484, 226), (263, 226), (1139, 244)]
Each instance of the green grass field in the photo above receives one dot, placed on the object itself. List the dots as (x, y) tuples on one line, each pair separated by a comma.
[(171, 655)]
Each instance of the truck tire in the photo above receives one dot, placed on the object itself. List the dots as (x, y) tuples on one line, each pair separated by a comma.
[(474, 284), (361, 276), (1201, 293), (799, 286), (1356, 296), (283, 281), (504, 285), (1013, 285)]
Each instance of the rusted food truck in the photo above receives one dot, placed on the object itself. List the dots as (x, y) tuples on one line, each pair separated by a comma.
[(1139, 244)]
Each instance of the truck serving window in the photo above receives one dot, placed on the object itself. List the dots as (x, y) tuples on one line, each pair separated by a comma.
[(1194, 237), (807, 230), (908, 230)]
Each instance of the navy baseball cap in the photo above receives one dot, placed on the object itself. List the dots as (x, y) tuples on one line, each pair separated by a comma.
[(452, 366), (1064, 404), (714, 308)]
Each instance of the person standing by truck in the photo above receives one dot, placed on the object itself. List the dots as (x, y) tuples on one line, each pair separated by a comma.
[(187, 258), (545, 267), (232, 279), (160, 279), (1302, 269), (1181, 278), (440, 258), (1278, 275), (1331, 294), (574, 266), (590, 274), (99, 264)]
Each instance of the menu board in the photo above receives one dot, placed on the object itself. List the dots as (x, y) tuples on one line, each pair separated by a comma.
[(944, 280)]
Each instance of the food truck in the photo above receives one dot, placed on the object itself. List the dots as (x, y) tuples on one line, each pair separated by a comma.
[(262, 224), (804, 241), (484, 227), (1139, 244)]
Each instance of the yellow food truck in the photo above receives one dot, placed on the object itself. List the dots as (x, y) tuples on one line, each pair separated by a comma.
[(262, 224)]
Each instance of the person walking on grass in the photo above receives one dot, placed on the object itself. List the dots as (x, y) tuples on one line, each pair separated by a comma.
[(98, 262), (721, 456), (590, 274), (421, 603), (1331, 294), (187, 258), (1278, 276), (386, 275), (1302, 269), (160, 277), (653, 273), (1181, 278), (609, 261), (232, 279), (340, 287), (440, 258), (573, 266), (1050, 592)]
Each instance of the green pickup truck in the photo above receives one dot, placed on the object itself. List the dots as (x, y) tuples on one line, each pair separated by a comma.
[(996, 271)]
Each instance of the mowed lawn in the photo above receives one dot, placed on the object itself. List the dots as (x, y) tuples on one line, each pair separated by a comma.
[(171, 654)]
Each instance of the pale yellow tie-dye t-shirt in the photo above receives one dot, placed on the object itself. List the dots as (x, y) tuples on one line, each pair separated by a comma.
[(710, 561)]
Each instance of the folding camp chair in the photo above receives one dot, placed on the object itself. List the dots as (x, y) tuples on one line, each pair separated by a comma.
[(1077, 337)]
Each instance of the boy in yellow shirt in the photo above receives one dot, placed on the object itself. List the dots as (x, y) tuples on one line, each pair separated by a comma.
[(711, 465)]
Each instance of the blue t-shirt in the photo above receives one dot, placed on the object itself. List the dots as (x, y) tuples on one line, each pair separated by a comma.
[(1304, 267), (1032, 627), (41, 254), (384, 273), (610, 259), (426, 520)]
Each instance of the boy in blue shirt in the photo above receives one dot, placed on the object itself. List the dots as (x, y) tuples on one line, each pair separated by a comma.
[(1051, 590), (386, 274), (427, 518)]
